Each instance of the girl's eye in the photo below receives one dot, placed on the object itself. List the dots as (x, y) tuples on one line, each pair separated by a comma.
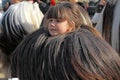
[(56, 20), (50, 20), (59, 20)]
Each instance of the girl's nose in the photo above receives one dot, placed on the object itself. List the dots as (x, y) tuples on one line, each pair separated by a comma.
[(52, 22)]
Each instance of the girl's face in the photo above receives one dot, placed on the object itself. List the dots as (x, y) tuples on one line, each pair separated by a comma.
[(58, 26)]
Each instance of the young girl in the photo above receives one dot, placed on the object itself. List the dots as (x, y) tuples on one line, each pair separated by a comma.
[(67, 48), (59, 23)]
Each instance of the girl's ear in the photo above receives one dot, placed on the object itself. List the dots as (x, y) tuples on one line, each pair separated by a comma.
[(72, 26)]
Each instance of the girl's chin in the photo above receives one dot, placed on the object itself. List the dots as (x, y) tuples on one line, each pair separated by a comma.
[(53, 34)]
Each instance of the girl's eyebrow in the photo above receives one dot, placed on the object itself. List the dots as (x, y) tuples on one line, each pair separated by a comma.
[(56, 19)]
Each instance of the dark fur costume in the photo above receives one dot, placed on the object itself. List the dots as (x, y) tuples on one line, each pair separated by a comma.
[(74, 56)]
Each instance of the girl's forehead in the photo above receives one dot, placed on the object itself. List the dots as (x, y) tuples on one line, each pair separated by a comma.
[(57, 16), (56, 19)]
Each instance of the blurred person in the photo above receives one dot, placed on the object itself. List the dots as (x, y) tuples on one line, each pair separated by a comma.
[(43, 5), (5, 4), (67, 48), (109, 23), (99, 7)]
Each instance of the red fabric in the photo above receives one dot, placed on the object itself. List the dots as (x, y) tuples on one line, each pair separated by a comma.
[(53, 2)]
